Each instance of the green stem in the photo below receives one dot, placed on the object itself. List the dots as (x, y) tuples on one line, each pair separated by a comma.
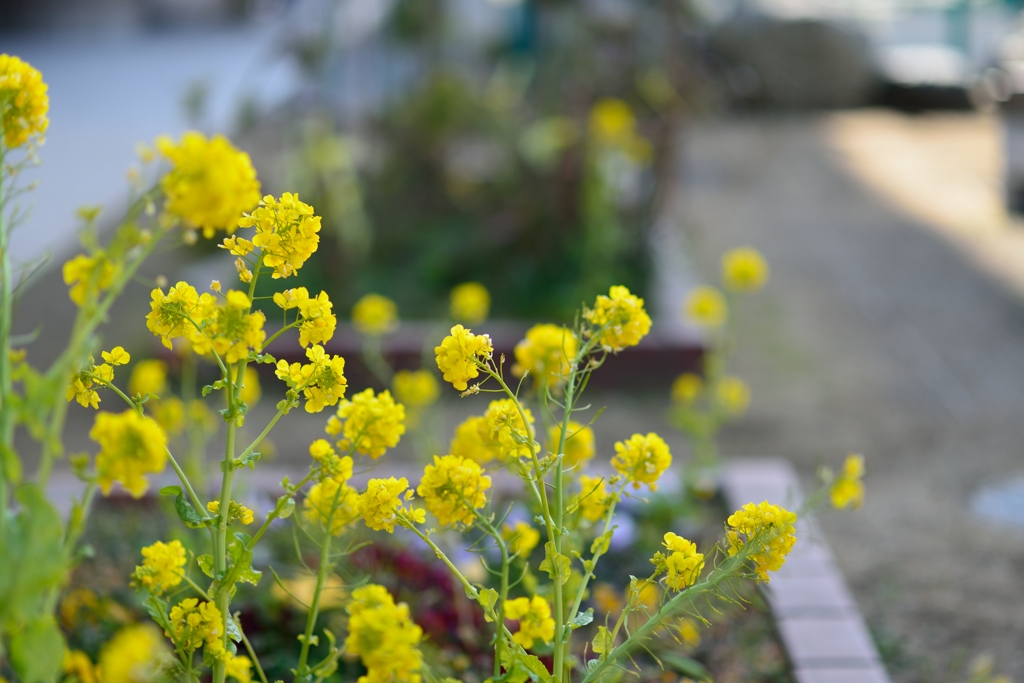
[(314, 608), (252, 654), (374, 359), (220, 543), (6, 306)]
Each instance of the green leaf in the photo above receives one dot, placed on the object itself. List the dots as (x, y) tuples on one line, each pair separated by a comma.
[(187, 513), (287, 509), (206, 564), (557, 565), (170, 491), (521, 667), (488, 598), (583, 618), (603, 641), (241, 562), (686, 666), (234, 633), (248, 460), (37, 651), (34, 560), (602, 542)]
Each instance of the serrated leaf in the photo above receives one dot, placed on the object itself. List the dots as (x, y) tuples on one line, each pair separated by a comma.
[(583, 618), (241, 562), (248, 460), (187, 513), (557, 565), (521, 667), (37, 651), (602, 543), (603, 641), (170, 491), (234, 633), (207, 390), (488, 599), (206, 564), (288, 509)]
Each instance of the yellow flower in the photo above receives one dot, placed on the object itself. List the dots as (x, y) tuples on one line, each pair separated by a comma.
[(642, 459), (648, 595), (593, 498), (607, 599), (332, 504), (744, 270), (769, 528), (169, 413), (148, 377), (197, 624), (458, 354), (162, 567), (848, 489), (81, 386), (210, 184), (504, 431), (316, 321), (534, 617), (521, 538), (470, 303), (547, 353), (88, 276), (286, 231), (236, 512), (733, 395), (130, 447), (77, 665), (375, 315), (470, 440), (706, 307), (612, 122), (175, 314), (382, 502), (682, 562), (384, 637), (331, 466), (622, 317), (453, 488), (322, 381), (230, 329), (369, 424), (689, 634), (134, 655), (687, 388), (23, 102), (579, 446), (239, 667), (417, 389), (116, 356), (251, 392)]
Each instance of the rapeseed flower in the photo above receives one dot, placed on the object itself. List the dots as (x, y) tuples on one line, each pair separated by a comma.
[(622, 317), (579, 445), (368, 423), (375, 315), (471, 440), (593, 499), (210, 184), (682, 563), (416, 389), (771, 528), (148, 377), (612, 122), (322, 380), (686, 388), (470, 303), (131, 446), (88, 276), (230, 329), (316, 320), (239, 667), (706, 307), (82, 386), (534, 617), (744, 270), (453, 489), (384, 636), (23, 102), (135, 654), (459, 353), (504, 431), (521, 538), (732, 395), (383, 501), (163, 567), (175, 314), (197, 624), (236, 512), (848, 489), (330, 465), (78, 666), (642, 459), (332, 504), (547, 352), (250, 392), (287, 232)]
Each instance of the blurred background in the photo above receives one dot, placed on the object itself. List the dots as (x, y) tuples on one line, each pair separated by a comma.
[(873, 150)]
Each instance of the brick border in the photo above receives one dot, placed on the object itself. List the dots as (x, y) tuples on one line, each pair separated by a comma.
[(821, 628)]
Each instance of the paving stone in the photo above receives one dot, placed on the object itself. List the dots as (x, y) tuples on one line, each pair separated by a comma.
[(838, 641), (874, 674), (822, 596)]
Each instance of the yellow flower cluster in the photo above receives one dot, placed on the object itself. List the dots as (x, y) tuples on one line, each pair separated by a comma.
[(197, 624), (744, 270), (384, 636), (375, 315), (210, 184), (769, 528), (162, 567), (332, 504), (330, 465), (459, 353), (88, 276), (682, 563), (239, 668), (78, 667), (547, 352), (453, 488), (134, 655), (521, 538), (505, 433), (848, 489), (706, 307), (368, 424), (229, 329), (579, 444), (176, 314), (593, 499), (82, 384), (148, 377), (620, 317), (236, 512), (732, 395), (470, 303), (382, 502), (686, 389), (322, 380), (642, 459), (287, 233), (23, 102), (316, 320), (613, 124), (470, 440), (130, 447), (534, 617), (417, 389)]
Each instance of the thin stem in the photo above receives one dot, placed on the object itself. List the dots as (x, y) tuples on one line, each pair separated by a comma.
[(252, 654), (6, 305), (314, 608)]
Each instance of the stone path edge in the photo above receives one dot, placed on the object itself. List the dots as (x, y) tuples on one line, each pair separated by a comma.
[(818, 621)]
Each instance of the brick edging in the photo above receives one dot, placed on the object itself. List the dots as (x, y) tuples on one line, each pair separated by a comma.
[(817, 618)]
